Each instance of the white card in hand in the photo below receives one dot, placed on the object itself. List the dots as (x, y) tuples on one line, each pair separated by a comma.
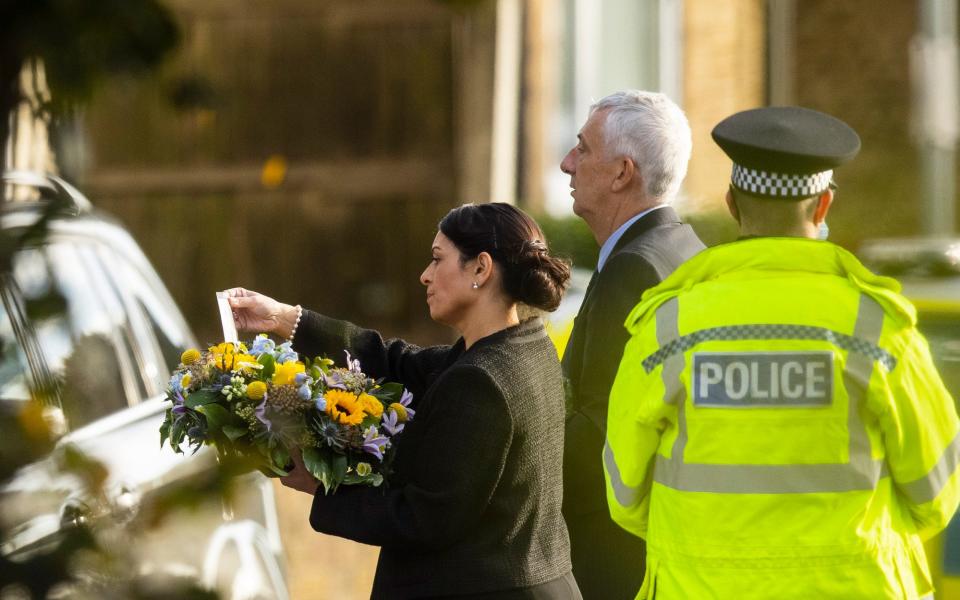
[(226, 318)]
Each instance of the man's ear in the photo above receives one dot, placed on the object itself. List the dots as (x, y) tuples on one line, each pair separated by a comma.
[(732, 206), (626, 172), (823, 207)]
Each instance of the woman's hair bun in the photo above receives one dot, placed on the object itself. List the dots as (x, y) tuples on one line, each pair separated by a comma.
[(539, 279)]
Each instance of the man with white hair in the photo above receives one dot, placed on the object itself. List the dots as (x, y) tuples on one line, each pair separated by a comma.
[(625, 170)]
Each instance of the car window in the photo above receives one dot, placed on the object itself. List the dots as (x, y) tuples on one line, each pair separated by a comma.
[(14, 376), (80, 345), (145, 296)]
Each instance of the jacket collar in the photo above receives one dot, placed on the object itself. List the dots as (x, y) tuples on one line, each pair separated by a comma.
[(523, 331), (654, 218), (796, 255)]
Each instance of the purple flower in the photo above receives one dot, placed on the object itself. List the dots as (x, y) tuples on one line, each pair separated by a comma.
[(374, 443), (334, 380), (261, 412), (352, 363), (391, 423), (302, 378), (321, 403), (405, 399), (178, 406)]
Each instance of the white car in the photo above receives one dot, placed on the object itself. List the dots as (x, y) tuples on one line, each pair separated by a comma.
[(85, 317)]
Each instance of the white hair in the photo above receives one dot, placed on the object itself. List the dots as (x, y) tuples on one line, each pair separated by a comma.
[(650, 129)]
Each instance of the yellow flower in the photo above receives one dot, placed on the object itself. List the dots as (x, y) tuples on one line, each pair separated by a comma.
[(352, 418), (371, 405), (244, 361), (364, 469), (344, 407), (226, 355), (190, 356), (286, 373), (401, 411), (256, 390), (185, 381)]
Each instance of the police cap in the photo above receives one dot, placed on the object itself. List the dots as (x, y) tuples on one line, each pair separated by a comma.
[(785, 151)]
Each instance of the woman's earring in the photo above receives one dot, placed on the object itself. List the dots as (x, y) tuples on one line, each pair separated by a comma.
[(475, 285)]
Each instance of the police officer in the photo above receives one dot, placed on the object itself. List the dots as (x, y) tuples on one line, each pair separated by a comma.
[(777, 428)]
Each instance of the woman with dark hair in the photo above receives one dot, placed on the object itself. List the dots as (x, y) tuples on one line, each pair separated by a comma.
[(473, 506)]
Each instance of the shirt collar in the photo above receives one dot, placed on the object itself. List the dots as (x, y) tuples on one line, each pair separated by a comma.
[(607, 248)]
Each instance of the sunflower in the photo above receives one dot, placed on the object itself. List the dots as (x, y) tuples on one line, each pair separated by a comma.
[(344, 407)]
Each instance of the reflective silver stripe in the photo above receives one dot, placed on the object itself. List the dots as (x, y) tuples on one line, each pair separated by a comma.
[(766, 479), (674, 393), (626, 495), (862, 472), (667, 317), (928, 487), (856, 380)]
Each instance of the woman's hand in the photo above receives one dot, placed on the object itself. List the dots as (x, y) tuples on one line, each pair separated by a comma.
[(262, 314), (299, 478)]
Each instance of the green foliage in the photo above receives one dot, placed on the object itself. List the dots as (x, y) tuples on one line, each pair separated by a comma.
[(571, 238), (389, 392), (373, 479), (319, 466), (82, 42), (200, 398), (217, 416), (714, 226), (269, 366), (234, 432), (332, 470)]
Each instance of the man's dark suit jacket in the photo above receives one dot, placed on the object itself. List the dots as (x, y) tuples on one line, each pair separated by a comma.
[(608, 562)]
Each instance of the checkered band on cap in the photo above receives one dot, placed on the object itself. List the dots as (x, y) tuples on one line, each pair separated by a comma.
[(763, 183)]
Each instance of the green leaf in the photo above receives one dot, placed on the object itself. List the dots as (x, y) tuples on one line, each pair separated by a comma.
[(280, 457), (317, 463), (177, 431), (165, 429), (368, 421), (269, 366), (217, 416), (373, 479), (233, 432), (270, 470), (201, 398), (389, 392), (339, 468)]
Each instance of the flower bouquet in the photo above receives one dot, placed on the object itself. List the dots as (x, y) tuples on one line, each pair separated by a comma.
[(261, 402)]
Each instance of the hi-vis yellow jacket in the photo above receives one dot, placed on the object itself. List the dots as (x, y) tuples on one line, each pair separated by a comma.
[(777, 429)]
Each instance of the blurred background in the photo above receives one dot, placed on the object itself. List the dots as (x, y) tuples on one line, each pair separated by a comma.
[(307, 148)]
